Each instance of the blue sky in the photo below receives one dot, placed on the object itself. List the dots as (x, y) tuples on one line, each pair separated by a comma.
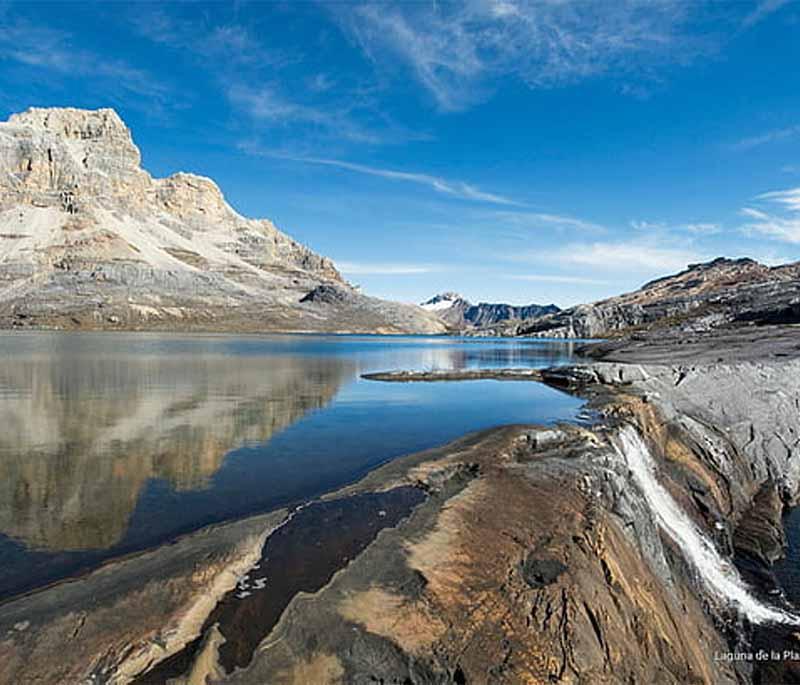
[(525, 152)]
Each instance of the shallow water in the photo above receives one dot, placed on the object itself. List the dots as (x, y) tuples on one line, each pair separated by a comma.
[(787, 570), (116, 442), (301, 556)]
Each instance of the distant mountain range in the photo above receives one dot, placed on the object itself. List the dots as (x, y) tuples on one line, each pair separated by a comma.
[(704, 296), (88, 239), (709, 295), (460, 314)]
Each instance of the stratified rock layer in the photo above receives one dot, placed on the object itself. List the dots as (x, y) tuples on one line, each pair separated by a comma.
[(90, 239), (702, 297)]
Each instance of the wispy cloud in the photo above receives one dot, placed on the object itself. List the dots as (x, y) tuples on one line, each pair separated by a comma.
[(662, 229), (56, 52), (251, 73), (534, 221), (618, 256), (385, 269), (455, 50), (266, 104), (762, 10), (704, 228), (784, 226), (227, 41), (788, 198), (457, 189), (546, 278), (767, 137)]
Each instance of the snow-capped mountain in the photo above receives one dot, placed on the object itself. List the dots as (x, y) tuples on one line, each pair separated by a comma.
[(460, 314)]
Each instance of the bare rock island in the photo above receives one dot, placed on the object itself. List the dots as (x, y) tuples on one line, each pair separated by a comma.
[(88, 239)]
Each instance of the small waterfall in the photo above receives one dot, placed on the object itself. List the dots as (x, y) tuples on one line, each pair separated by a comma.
[(717, 573)]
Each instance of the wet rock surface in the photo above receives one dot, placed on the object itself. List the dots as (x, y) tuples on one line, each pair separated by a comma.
[(301, 556), (534, 557), (526, 374)]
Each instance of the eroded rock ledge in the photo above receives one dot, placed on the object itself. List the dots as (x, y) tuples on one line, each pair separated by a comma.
[(535, 557)]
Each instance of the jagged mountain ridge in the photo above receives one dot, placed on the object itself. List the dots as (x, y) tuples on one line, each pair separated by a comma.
[(88, 238), (461, 314), (702, 296)]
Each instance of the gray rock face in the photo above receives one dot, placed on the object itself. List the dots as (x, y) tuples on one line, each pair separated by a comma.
[(88, 238), (462, 314), (703, 297), (546, 530)]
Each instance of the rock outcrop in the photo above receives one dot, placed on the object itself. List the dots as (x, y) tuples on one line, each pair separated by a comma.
[(703, 297), (482, 318), (569, 554), (89, 239)]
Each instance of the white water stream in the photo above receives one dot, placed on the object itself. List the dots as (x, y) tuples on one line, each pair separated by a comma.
[(717, 573)]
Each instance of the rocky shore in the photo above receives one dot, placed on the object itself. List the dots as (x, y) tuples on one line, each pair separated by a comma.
[(454, 375), (598, 553)]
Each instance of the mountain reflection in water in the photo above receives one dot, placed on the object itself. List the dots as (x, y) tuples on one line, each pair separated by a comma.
[(80, 440), (112, 443)]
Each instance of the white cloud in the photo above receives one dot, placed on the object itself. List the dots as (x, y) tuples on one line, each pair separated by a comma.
[(266, 104), (457, 189), (767, 137), (528, 221), (783, 226), (704, 228), (546, 278), (385, 269), (219, 44), (455, 50), (55, 51), (789, 198), (662, 229), (762, 10), (627, 257)]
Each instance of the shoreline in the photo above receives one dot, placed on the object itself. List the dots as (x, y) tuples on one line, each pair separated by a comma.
[(501, 374), (523, 519)]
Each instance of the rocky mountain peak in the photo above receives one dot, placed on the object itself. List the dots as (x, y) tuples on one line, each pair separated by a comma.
[(703, 296), (79, 124), (48, 156), (460, 314), (91, 238), (719, 272), (443, 301)]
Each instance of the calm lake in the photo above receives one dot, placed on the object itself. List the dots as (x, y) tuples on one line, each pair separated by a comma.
[(111, 443)]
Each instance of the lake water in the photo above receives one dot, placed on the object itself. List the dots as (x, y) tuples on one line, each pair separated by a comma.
[(787, 569), (111, 443)]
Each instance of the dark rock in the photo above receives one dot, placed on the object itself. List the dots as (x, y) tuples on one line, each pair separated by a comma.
[(541, 572), (327, 294)]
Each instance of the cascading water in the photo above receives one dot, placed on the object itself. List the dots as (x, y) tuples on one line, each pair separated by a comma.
[(716, 572)]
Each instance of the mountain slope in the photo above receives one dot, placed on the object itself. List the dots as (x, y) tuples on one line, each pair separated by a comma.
[(703, 296), (90, 239), (461, 314)]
